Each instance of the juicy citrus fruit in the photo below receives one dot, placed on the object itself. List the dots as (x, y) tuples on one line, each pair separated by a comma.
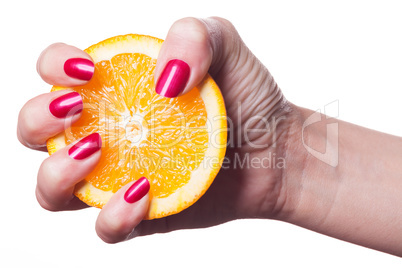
[(177, 143)]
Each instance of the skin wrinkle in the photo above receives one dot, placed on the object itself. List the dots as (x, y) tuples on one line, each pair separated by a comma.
[(249, 90), (268, 188), (283, 202), (242, 87), (256, 91), (307, 162), (215, 33), (259, 94), (231, 80), (262, 102), (279, 187), (228, 56)]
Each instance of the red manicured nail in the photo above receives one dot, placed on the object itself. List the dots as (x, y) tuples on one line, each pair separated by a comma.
[(82, 69), (137, 191), (85, 147), (66, 105), (173, 79)]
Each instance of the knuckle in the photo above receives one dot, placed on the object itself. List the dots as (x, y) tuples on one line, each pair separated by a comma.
[(27, 121), (225, 41), (222, 29), (51, 174), (222, 22), (42, 201)]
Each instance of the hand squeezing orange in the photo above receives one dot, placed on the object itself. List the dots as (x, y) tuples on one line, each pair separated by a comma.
[(177, 143)]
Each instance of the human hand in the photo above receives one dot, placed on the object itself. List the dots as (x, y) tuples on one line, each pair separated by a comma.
[(253, 102)]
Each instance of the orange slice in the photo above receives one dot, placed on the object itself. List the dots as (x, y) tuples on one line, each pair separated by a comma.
[(178, 144)]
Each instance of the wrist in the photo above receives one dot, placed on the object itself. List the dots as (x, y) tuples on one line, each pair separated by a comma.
[(307, 194), (275, 188)]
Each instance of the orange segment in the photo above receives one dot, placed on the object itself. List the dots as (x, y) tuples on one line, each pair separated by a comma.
[(144, 134)]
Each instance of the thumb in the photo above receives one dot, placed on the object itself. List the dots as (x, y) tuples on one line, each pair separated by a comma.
[(191, 49), (194, 47)]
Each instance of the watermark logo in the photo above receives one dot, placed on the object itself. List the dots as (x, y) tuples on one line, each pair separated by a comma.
[(331, 154), (127, 130)]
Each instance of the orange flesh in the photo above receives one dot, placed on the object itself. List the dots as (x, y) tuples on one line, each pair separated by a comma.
[(143, 134)]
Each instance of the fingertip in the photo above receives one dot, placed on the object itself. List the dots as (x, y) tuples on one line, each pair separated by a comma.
[(64, 65), (124, 211), (184, 58)]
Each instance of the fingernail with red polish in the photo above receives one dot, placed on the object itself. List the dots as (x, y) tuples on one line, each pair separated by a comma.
[(66, 105), (82, 69), (137, 191), (86, 147), (173, 79)]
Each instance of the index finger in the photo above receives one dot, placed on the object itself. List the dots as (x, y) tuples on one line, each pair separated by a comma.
[(65, 65)]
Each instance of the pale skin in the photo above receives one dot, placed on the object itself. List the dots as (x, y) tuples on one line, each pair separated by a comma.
[(357, 200)]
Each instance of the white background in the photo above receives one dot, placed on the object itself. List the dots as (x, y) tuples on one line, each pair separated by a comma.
[(318, 51)]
